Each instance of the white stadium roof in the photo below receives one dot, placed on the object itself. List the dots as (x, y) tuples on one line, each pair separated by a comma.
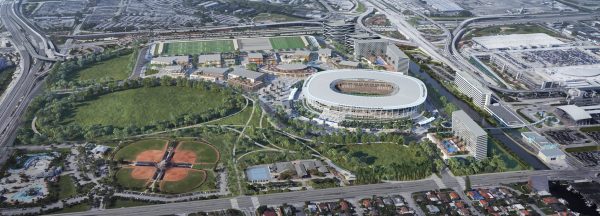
[(517, 41), (408, 91)]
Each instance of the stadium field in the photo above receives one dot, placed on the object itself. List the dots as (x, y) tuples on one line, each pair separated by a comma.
[(287, 43), (197, 47)]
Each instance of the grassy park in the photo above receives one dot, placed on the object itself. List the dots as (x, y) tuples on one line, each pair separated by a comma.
[(287, 43), (197, 47), (67, 187), (145, 106), (130, 151), (116, 69)]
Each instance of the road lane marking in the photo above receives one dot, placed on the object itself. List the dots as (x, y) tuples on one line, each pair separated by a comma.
[(234, 203), (255, 202)]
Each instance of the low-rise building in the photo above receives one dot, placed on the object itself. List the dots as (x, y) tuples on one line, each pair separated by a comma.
[(547, 151), (299, 56), (246, 79), (348, 65), (210, 74), (256, 58), (170, 60), (210, 60)]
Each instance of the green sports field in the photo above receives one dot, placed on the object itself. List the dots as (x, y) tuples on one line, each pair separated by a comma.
[(123, 177), (130, 151), (197, 47), (192, 181), (204, 152), (286, 43)]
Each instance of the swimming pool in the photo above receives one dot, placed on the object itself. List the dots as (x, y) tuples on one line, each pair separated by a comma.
[(258, 173)]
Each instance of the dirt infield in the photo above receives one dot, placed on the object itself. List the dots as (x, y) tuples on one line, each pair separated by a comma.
[(184, 156), (143, 172), (176, 174), (150, 156)]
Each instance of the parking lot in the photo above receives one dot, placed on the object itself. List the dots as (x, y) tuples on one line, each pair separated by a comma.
[(588, 158), (567, 137)]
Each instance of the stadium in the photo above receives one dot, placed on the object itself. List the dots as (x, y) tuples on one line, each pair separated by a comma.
[(364, 95)]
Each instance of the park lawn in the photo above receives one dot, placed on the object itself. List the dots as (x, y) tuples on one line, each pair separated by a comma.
[(512, 164), (204, 152), (238, 119), (124, 179), (129, 152), (273, 17), (203, 166), (383, 154), (583, 149), (210, 184), (66, 187), (146, 106), (84, 206), (197, 47), (192, 181), (116, 68), (287, 43), (123, 203)]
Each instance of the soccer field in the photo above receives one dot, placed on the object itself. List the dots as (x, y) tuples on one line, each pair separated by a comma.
[(287, 43), (197, 47)]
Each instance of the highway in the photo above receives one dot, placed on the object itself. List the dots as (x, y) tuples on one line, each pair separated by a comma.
[(246, 202), (34, 50)]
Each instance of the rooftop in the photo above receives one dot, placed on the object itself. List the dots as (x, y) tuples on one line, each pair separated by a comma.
[(241, 72), (575, 112), (519, 41), (469, 123), (209, 58), (408, 91)]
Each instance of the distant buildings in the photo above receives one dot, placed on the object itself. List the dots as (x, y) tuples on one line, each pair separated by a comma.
[(210, 74), (170, 60), (338, 30), (246, 79), (374, 48), (467, 85), (471, 133), (210, 60), (445, 7)]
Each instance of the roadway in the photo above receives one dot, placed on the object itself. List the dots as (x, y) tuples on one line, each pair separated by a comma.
[(247, 202), (33, 48)]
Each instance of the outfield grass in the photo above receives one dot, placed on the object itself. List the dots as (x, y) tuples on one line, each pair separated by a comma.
[(204, 152), (66, 187), (191, 182), (124, 179), (116, 68), (583, 149), (197, 47), (286, 43), (146, 106), (130, 151)]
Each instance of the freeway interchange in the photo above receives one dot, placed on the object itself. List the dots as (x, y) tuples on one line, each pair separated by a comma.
[(37, 55)]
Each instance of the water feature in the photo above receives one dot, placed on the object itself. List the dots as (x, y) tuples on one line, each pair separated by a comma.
[(575, 201), (530, 159)]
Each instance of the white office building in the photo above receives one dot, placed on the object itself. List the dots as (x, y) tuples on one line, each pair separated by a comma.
[(471, 133)]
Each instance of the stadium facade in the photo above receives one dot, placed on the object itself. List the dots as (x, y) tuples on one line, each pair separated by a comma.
[(364, 95)]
